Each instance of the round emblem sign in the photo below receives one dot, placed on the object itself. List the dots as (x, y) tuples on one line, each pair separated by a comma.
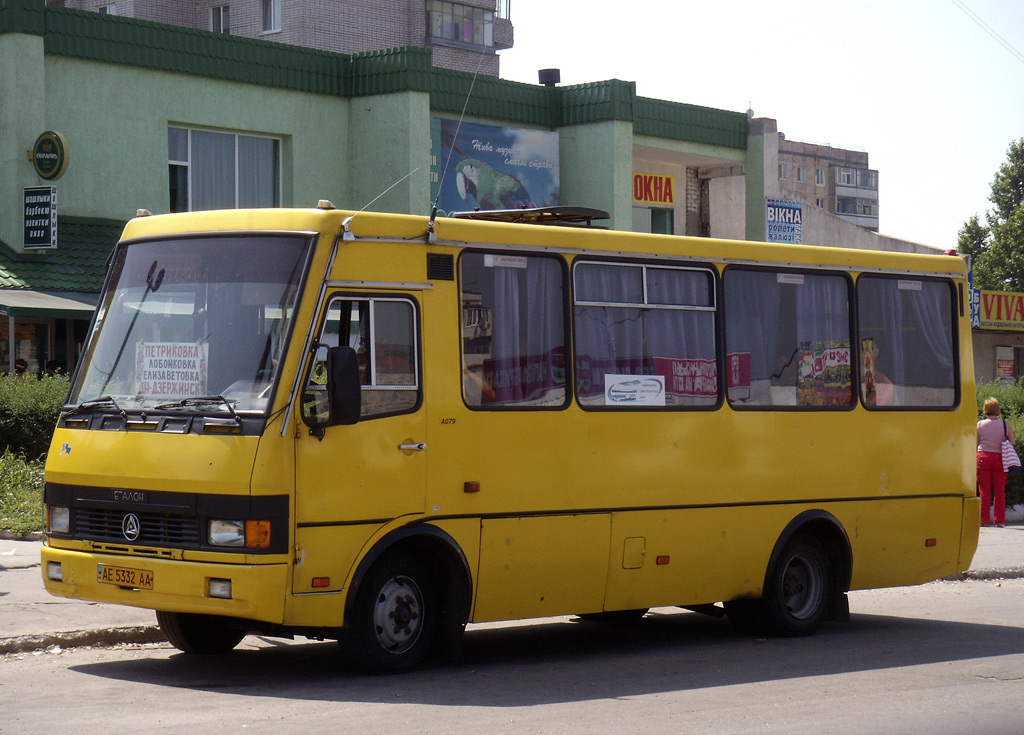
[(131, 527), (50, 155)]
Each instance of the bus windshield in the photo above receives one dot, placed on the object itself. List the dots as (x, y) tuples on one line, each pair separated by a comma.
[(196, 321)]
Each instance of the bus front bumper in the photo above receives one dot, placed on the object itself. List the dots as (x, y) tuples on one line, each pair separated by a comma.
[(251, 591)]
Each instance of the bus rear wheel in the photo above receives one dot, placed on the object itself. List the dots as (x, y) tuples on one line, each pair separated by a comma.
[(394, 619), (797, 595), (800, 588), (200, 634)]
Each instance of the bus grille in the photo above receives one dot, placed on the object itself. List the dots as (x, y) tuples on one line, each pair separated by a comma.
[(156, 529)]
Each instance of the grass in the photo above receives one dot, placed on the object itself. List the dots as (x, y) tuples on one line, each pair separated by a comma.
[(21, 494)]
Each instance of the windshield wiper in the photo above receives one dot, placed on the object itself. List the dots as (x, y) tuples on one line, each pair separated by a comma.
[(203, 401), (92, 403)]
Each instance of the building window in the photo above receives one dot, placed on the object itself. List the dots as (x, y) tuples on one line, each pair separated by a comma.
[(459, 23), (783, 171), (819, 177), (867, 179), (845, 176), (820, 203), (220, 19), (271, 16), (210, 170), (801, 174), (108, 9)]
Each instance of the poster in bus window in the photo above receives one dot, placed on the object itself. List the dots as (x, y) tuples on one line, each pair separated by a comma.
[(171, 369), (824, 375), (476, 166)]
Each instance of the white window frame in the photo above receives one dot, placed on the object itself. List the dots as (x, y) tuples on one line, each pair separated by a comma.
[(187, 163), (271, 16), (108, 9), (801, 174), (819, 177), (783, 171), (220, 18)]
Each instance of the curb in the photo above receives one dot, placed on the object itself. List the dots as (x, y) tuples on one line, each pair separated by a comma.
[(78, 638), (21, 535), (984, 574)]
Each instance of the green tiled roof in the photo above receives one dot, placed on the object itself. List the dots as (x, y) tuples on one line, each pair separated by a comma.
[(78, 263)]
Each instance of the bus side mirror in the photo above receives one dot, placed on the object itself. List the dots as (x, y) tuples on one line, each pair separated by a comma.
[(343, 386)]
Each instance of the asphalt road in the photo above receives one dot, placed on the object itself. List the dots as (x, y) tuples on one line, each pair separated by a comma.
[(946, 657)]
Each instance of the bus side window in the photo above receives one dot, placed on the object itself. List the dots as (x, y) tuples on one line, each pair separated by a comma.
[(513, 321), (382, 332), (645, 336), (787, 339), (907, 339)]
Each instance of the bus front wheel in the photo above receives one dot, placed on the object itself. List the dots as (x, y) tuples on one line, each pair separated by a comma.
[(200, 634), (394, 617)]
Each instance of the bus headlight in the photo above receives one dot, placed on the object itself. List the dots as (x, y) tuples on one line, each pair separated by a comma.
[(58, 519), (248, 534), (227, 533)]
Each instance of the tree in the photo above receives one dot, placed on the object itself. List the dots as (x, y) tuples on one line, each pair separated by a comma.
[(997, 250)]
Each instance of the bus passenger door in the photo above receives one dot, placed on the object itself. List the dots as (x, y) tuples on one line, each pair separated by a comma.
[(350, 480)]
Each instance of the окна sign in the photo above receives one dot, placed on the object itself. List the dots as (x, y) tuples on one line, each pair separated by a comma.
[(50, 155), (654, 188)]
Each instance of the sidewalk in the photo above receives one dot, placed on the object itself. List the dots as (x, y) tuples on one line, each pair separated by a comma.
[(31, 619)]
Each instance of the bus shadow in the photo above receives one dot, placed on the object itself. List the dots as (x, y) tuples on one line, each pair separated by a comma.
[(568, 661)]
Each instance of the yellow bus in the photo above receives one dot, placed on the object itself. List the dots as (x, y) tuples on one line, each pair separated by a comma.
[(378, 428)]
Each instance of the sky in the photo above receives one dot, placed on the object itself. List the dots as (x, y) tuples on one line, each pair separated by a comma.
[(933, 90)]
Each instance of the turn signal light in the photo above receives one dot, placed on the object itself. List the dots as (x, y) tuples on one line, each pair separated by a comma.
[(257, 534)]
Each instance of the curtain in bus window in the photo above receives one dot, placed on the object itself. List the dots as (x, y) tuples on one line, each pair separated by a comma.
[(513, 330), (788, 339), (632, 320), (906, 342)]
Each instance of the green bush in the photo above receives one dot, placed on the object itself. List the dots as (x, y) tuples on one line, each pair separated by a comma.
[(29, 410), (1011, 402), (21, 493)]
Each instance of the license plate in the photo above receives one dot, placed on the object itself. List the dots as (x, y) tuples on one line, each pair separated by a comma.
[(124, 576)]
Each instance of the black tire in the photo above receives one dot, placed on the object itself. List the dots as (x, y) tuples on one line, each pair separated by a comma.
[(394, 619), (799, 589), (200, 634)]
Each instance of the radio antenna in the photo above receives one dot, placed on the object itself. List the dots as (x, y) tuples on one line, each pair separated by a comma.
[(431, 237), (389, 188)]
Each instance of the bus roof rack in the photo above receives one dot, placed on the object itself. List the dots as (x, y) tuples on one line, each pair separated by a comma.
[(564, 216)]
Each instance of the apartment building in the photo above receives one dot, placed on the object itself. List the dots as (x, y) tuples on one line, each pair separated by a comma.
[(463, 36), (836, 180)]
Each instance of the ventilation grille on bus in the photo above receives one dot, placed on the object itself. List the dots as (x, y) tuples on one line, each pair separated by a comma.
[(440, 267), (157, 529)]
